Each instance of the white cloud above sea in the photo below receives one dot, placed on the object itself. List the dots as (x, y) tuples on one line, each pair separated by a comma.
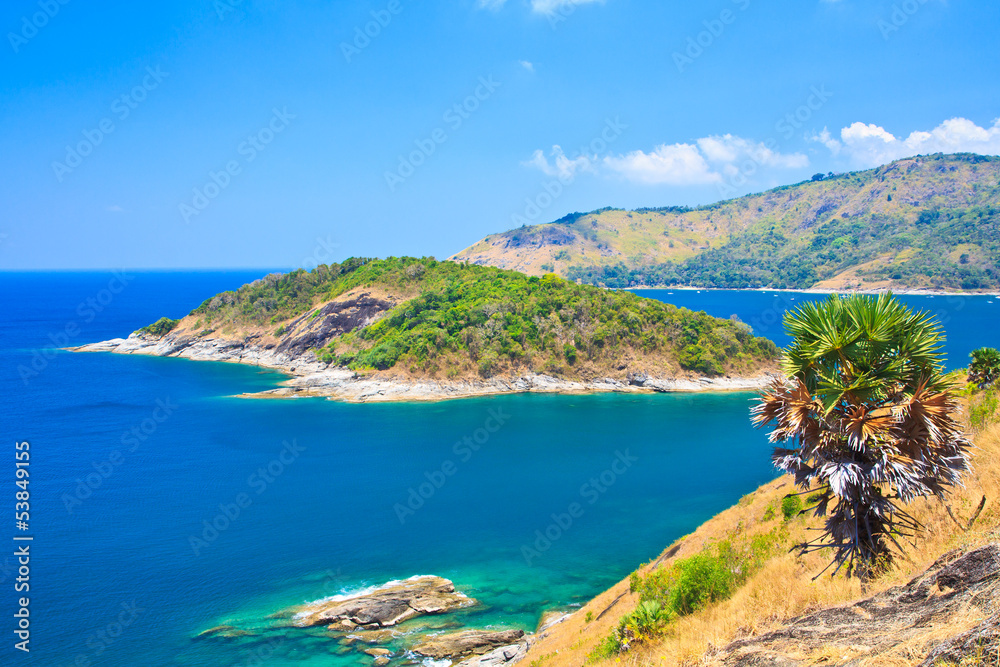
[(715, 159), (870, 145)]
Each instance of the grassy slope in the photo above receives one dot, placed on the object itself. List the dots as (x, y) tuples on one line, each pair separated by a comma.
[(783, 587), (453, 321), (813, 234)]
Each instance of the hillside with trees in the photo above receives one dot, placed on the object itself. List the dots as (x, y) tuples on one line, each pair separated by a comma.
[(448, 320), (928, 222)]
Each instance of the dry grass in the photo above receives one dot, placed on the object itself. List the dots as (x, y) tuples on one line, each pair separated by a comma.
[(785, 588)]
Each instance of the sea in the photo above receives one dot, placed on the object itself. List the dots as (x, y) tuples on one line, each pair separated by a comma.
[(159, 505)]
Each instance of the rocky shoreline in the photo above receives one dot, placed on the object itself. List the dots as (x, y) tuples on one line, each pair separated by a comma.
[(313, 378), (393, 624)]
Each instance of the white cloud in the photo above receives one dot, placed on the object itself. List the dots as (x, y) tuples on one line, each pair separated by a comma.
[(673, 164), (527, 64), (708, 160), (731, 150), (827, 140), (538, 6), (562, 167), (115, 208), (718, 159), (553, 6), (871, 145)]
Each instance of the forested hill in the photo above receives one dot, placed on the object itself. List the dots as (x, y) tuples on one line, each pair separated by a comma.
[(447, 320), (922, 222)]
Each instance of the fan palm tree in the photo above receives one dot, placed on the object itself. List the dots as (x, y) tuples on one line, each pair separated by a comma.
[(870, 419)]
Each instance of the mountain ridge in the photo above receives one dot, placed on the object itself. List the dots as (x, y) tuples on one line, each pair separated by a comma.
[(926, 222)]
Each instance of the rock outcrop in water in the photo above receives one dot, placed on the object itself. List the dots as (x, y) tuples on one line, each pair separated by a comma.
[(499, 657), (384, 607), (458, 644)]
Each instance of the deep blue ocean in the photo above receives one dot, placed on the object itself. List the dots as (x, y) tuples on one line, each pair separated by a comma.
[(139, 466)]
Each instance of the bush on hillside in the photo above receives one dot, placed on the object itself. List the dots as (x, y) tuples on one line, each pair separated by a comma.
[(160, 327), (985, 367)]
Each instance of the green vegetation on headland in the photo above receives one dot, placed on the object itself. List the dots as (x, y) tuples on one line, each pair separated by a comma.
[(160, 327), (924, 222), (466, 320)]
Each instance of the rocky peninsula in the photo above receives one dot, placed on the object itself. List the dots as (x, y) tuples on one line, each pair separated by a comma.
[(310, 377), (415, 329)]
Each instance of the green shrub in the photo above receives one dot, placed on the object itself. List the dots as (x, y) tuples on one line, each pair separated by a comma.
[(488, 365), (689, 584), (570, 353), (982, 410), (634, 582), (791, 505), (160, 327), (698, 581), (985, 367)]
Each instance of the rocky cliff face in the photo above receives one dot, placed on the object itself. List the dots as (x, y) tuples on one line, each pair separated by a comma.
[(292, 352), (959, 585)]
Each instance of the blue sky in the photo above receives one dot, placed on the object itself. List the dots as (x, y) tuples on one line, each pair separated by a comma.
[(258, 133)]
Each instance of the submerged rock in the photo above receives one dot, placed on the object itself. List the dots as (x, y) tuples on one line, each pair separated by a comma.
[(223, 632), (374, 636), (458, 644), (386, 606)]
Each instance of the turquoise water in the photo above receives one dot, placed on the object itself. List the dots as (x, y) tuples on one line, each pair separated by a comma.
[(131, 456)]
